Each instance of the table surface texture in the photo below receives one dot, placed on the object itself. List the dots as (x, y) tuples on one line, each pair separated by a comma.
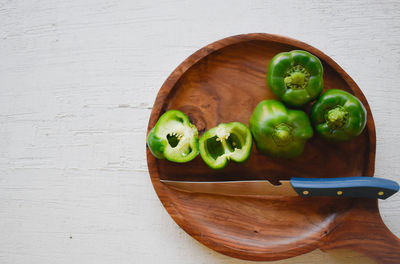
[(78, 80)]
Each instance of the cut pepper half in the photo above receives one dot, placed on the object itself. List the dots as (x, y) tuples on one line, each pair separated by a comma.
[(174, 138), (225, 142)]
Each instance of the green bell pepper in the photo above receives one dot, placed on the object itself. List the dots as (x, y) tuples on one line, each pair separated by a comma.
[(338, 115), (174, 138), (278, 131), (295, 77), (225, 142)]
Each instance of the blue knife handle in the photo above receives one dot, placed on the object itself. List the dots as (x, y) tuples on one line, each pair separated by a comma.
[(345, 187)]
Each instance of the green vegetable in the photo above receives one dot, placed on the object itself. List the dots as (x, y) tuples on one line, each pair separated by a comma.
[(295, 77), (174, 138), (279, 131), (225, 142), (338, 115)]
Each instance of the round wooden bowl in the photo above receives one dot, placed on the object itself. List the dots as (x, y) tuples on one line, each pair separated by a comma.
[(223, 82)]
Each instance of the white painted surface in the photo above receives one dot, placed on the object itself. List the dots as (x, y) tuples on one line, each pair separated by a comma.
[(77, 83)]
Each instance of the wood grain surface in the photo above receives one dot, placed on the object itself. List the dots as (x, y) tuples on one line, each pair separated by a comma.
[(223, 82), (77, 83)]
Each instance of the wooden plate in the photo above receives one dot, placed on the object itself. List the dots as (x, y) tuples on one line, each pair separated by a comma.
[(223, 82)]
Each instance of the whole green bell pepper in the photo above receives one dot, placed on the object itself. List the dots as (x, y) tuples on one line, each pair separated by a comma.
[(296, 77), (225, 142), (279, 131), (174, 138), (338, 115)]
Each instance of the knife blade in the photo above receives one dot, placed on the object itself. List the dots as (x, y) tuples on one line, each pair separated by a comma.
[(306, 187)]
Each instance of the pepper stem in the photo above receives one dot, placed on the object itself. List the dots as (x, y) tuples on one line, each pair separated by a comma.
[(282, 134), (297, 77), (337, 117)]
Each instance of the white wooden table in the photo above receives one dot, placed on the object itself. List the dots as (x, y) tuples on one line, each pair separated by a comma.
[(77, 83)]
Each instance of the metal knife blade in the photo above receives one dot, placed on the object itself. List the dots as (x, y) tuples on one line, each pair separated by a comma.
[(259, 187)]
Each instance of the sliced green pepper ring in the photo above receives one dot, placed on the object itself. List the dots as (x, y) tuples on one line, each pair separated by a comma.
[(225, 142), (174, 138)]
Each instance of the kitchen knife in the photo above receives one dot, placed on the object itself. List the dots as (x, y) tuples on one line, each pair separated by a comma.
[(306, 187)]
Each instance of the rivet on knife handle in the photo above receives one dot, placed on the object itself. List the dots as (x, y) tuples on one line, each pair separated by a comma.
[(345, 187)]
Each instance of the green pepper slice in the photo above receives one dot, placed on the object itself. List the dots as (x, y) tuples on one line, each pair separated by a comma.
[(338, 115), (174, 138), (296, 77), (279, 131), (225, 142)]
